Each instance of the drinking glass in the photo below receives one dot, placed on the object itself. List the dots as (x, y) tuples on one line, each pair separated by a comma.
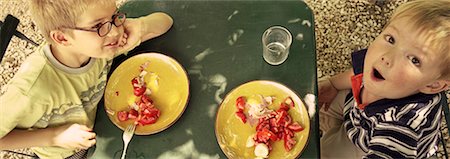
[(276, 42)]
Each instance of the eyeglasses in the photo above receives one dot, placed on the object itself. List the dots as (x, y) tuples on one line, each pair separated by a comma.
[(104, 28)]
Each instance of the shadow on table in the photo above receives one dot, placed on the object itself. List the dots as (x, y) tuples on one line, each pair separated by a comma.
[(181, 140)]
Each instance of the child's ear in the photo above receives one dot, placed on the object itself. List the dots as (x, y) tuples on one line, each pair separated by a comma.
[(436, 87), (59, 37)]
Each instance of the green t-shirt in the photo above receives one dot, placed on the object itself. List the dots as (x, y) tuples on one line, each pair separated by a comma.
[(45, 93)]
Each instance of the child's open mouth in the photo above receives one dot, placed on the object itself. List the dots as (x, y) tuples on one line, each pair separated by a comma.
[(113, 43), (377, 75)]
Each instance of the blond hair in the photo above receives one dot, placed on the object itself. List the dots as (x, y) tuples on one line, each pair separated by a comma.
[(432, 18), (51, 15)]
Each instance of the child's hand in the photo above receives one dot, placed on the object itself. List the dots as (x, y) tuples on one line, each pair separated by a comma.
[(132, 35), (327, 92), (74, 136), (123, 40)]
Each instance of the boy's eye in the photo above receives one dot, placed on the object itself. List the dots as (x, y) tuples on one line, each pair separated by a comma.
[(414, 60), (389, 39)]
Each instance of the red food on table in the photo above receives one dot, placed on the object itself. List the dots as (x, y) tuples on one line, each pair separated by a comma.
[(138, 89), (287, 103), (143, 111), (133, 114), (240, 103), (241, 116), (122, 115), (276, 125)]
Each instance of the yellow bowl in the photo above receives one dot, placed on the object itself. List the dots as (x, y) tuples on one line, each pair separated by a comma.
[(166, 79), (232, 133)]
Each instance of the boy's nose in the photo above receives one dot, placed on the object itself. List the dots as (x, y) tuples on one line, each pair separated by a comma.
[(386, 60)]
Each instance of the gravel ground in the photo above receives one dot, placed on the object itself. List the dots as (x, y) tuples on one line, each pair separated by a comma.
[(342, 26)]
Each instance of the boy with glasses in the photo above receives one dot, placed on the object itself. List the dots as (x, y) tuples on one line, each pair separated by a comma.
[(50, 104), (387, 106)]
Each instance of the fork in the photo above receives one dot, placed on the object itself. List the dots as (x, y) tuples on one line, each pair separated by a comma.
[(127, 135)]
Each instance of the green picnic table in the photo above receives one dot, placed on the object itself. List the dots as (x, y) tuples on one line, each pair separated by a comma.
[(209, 39)]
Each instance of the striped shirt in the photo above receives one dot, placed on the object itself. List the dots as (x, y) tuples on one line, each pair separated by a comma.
[(392, 128)]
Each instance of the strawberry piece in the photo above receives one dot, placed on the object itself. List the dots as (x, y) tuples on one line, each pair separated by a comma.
[(241, 116), (240, 103), (295, 127), (122, 116)]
